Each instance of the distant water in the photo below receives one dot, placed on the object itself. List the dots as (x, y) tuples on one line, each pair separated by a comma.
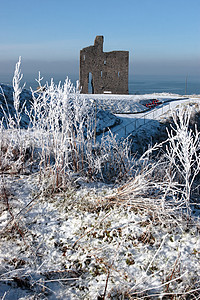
[(143, 84), (140, 84)]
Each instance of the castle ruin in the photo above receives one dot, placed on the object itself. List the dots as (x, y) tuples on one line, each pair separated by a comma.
[(103, 72)]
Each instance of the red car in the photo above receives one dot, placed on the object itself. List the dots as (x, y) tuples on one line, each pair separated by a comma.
[(153, 103)]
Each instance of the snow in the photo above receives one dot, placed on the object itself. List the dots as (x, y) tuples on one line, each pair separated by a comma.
[(82, 243), (128, 103), (117, 240), (132, 113)]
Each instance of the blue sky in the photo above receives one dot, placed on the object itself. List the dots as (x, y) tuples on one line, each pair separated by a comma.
[(163, 36)]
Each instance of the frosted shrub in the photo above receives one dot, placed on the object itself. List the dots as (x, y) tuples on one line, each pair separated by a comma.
[(61, 135), (64, 127), (183, 152), (58, 119), (117, 161), (17, 91), (14, 144), (15, 152), (162, 186)]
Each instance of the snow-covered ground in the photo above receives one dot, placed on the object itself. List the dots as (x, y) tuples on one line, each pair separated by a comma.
[(94, 240), (129, 103), (132, 112), (132, 122), (78, 245)]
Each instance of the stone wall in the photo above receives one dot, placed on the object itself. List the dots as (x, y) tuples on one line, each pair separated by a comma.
[(108, 70)]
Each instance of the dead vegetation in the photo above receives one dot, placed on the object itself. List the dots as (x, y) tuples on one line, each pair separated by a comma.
[(136, 239)]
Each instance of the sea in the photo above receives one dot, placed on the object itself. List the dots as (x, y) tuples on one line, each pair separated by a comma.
[(146, 84), (140, 84)]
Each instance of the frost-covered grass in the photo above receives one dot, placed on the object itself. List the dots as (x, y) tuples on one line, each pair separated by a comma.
[(61, 136), (82, 218), (81, 245)]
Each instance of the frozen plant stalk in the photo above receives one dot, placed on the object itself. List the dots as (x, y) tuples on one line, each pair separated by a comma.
[(17, 90), (183, 151)]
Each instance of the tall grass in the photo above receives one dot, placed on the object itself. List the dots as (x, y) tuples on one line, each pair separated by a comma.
[(61, 136), (60, 143)]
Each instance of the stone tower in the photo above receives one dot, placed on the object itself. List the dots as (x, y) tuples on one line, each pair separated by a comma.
[(103, 72)]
